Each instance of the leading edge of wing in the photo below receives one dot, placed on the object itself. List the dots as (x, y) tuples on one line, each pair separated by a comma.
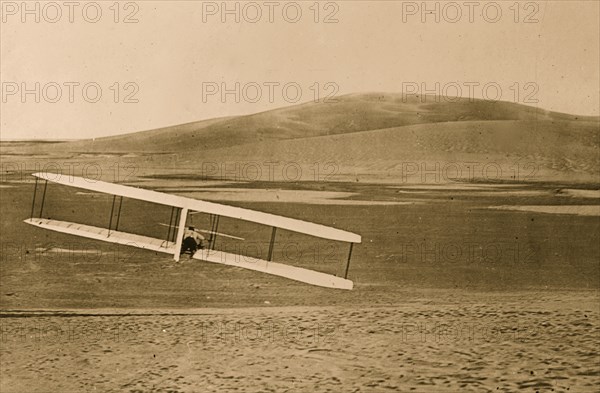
[(239, 213)]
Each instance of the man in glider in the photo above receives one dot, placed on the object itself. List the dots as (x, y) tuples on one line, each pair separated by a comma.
[(192, 241)]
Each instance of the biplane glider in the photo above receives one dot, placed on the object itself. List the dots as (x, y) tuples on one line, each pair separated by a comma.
[(181, 206)]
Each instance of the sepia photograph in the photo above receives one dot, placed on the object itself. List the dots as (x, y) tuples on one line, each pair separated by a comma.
[(348, 196)]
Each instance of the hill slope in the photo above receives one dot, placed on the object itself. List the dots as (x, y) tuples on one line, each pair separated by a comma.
[(524, 150), (370, 137), (350, 113)]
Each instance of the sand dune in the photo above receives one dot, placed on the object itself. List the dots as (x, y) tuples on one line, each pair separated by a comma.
[(365, 137), (348, 114), (435, 153)]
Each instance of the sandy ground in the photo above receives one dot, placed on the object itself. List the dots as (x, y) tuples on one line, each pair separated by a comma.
[(450, 296), (289, 196), (580, 210), (537, 343), (581, 193)]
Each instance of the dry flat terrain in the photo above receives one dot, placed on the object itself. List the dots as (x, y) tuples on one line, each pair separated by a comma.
[(476, 342), (451, 295), (483, 282)]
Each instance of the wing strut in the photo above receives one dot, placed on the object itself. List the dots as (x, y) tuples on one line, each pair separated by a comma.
[(174, 233), (43, 197), (348, 263), (213, 236), (271, 244), (112, 212), (180, 231), (119, 213), (33, 202), (170, 223)]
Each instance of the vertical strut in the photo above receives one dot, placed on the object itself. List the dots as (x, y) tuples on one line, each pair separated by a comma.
[(181, 230), (33, 202), (112, 211), (177, 210), (170, 223), (212, 230), (211, 234), (272, 243), (43, 198), (348, 263), (119, 213), (214, 234)]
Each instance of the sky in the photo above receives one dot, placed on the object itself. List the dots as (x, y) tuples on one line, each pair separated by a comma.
[(92, 69)]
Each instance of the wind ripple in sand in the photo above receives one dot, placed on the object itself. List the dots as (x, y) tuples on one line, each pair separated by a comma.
[(477, 347)]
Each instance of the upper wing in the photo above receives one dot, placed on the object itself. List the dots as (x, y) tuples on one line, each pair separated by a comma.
[(290, 224)]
